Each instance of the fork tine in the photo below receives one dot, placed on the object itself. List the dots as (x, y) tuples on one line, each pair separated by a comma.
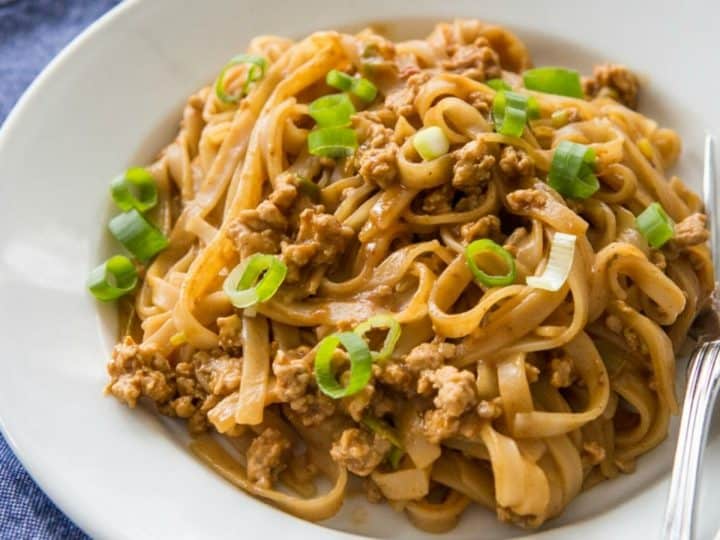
[(710, 198)]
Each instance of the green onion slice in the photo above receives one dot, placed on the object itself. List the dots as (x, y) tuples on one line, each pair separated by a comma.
[(333, 110), (655, 225), (571, 171), (137, 235), (361, 87), (511, 112), (309, 189), (364, 89), (554, 80), (332, 142), (136, 188), (498, 84), (431, 143), (391, 339), (394, 456), (382, 428), (112, 279), (256, 71), (485, 245), (338, 79), (360, 364), (560, 261), (242, 286)]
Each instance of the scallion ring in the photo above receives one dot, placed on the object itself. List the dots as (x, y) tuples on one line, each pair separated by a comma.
[(360, 364), (309, 188), (338, 79), (571, 170), (364, 89), (655, 225), (137, 235), (560, 261), (485, 245), (256, 71), (245, 287), (391, 339), (394, 456), (382, 428), (333, 110), (498, 84), (511, 112), (136, 188), (332, 142), (112, 279), (431, 143), (554, 80)]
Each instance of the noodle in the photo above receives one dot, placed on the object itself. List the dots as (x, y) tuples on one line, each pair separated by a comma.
[(510, 397)]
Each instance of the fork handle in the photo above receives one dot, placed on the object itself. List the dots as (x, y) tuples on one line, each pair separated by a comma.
[(702, 389)]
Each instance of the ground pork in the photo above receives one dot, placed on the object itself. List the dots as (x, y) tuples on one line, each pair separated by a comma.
[(455, 395), (473, 165), (376, 158), (359, 451), (562, 372), (138, 370), (401, 100), (614, 81), (691, 231), (525, 200), (516, 163), (485, 227), (476, 60), (267, 457), (593, 453), (429, 356), (438, 200), (313, 408), (259, 230), (293, 373), (489, 409), (217, 374), (230, 333), (321, 238)]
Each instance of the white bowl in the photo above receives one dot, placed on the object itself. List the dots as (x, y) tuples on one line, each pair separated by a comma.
[(113, 99)]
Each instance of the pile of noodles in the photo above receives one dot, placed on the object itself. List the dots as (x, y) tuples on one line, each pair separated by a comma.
[(527, 464)]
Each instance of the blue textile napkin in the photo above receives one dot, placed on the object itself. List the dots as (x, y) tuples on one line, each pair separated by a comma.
[(32, 32)]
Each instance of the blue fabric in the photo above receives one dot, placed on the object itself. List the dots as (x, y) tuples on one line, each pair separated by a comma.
[(32, 32)]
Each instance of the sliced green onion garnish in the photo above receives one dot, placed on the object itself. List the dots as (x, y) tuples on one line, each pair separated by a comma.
[(360, 364), (485, 245), (431, 142), (554, 80), (560, 261), (655, 225), (511, 112), (333, 110), (364, 89), (571, 171), (332, 142), (137, 235), (498, 84), (112, 279), (382, 428), (242, 286), (309, 188), (338, 79), (394, 456), (136, 188), (390, 434), (256, 71), (391, 339)]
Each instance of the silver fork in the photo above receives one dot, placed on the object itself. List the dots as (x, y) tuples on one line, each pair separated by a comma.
[(702, 387)]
